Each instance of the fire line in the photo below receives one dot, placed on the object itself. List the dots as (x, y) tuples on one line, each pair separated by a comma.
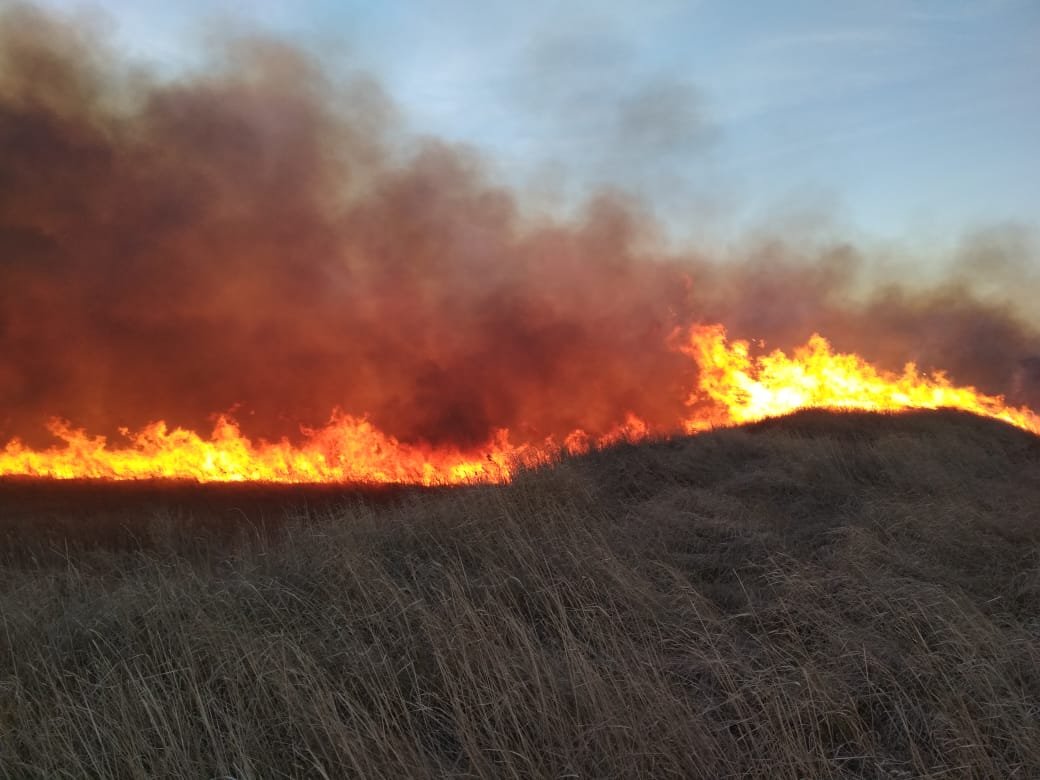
[(733, 387)]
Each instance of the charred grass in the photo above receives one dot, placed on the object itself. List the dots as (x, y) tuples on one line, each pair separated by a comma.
[(826, 595)]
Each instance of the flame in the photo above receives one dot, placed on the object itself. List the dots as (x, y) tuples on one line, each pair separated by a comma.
[(348, 449), (733, 387), (746, 388)]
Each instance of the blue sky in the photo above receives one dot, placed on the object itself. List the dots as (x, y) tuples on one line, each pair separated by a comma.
[(895, 119)]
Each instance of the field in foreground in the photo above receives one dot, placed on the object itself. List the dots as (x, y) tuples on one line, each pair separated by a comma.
[(819, 596)]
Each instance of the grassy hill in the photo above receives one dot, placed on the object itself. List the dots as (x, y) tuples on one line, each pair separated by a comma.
[(824, 595)]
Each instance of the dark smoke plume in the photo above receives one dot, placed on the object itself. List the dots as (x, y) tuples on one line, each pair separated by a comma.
[(256, 238)]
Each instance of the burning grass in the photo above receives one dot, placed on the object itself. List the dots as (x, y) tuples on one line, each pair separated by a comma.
[(823, 595), (734, 387)]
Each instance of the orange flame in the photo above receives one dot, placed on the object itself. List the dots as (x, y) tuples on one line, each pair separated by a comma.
[(747, 388), (733, 387), (348, 449)]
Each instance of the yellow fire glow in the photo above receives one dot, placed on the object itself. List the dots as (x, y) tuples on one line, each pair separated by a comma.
[(733, 387), (747, 388)]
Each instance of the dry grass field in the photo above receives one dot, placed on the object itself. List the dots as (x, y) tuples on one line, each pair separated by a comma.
[(820, 596)]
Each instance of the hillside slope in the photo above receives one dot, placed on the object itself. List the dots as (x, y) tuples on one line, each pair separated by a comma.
[(824, 595)]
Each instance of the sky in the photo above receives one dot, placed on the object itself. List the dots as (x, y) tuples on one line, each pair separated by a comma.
[(912, 118)]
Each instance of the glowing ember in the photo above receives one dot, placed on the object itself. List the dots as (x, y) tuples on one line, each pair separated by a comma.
[(733, 387)]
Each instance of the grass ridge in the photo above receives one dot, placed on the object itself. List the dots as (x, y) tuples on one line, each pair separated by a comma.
[(838, 595)]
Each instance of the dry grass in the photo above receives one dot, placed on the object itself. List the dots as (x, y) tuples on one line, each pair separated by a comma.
[(823, 596)]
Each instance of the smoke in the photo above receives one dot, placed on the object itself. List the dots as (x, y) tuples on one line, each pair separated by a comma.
[(257, 237), (615, 124)]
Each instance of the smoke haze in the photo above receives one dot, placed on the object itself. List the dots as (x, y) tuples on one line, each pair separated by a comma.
[(261, 238)]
